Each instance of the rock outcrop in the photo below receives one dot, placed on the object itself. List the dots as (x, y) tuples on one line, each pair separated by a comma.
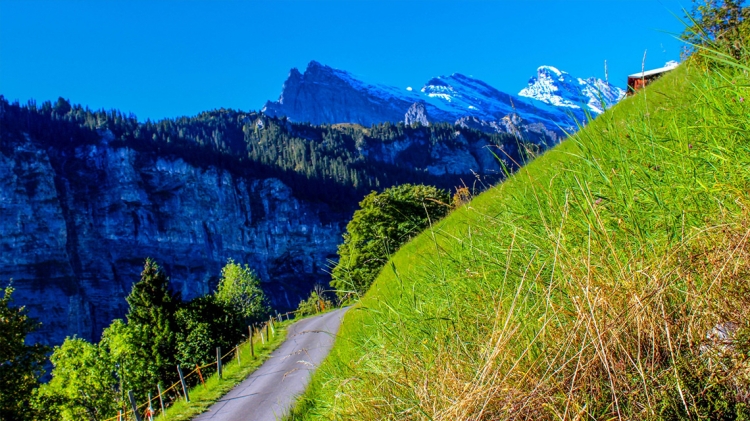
[(417, 113), (77, 226), (325, 95)]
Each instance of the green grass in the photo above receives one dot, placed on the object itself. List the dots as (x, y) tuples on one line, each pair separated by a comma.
[(583, 287), (202, 397)]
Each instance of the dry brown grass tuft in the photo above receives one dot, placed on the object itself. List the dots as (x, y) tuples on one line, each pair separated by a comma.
[(615, 347)]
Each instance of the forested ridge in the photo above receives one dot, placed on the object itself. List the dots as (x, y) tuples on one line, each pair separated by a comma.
[(327, 163)]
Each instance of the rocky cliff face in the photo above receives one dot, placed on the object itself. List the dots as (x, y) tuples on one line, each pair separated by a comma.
[(325, 95), (86, 196), (76, 225), (417, 113)]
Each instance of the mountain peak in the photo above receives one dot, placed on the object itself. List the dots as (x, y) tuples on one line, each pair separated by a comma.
[(436, 81), (550, 70), (315, 64), (555, 87)]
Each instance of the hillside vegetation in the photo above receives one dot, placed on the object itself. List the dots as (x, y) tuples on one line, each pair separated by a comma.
[(608, 279)]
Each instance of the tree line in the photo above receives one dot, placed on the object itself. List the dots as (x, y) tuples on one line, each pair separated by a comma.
[(91, 380), (326, 163)]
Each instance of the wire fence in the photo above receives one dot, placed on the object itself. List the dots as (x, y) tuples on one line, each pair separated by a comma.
[(157, 405)]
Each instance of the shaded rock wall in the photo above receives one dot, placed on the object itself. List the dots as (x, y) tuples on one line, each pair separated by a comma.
[(77, 224)]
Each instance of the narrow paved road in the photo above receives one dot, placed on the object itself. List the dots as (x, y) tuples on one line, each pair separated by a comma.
[(268, 393)]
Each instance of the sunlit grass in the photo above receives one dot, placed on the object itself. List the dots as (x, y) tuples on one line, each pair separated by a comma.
[(202, 397), (583, 287)]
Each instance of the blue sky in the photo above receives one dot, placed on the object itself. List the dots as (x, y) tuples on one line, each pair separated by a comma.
[(166, 58)]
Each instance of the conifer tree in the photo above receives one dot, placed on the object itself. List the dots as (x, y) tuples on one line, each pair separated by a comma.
[(20, 364), (152, 324)]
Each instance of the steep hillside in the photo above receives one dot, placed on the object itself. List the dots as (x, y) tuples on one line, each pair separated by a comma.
[(605, 280)]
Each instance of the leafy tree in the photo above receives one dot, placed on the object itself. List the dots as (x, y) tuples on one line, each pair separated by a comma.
[(20, 364), (239, 289), (130, 361), (204, 323), (82, 385), (151, 325), (383, 223), (718, 22)]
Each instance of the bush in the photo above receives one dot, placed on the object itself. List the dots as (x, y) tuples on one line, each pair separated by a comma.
[(315, 303), (383, 223)]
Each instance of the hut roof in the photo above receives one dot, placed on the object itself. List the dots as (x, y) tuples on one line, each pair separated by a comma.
[(669, 66)]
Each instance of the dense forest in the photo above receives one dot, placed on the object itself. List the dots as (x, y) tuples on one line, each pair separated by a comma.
[(327, 163)]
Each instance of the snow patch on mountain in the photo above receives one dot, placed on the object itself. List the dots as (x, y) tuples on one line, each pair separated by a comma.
[(555, 87)]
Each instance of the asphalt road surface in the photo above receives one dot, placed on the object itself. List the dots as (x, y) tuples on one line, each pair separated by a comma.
[(268, 393)]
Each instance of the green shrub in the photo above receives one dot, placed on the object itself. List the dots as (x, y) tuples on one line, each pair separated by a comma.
[(383, 223), (314, 304)]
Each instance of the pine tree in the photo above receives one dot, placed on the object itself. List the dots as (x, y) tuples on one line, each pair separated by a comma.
[(20, 364), (152, 324)]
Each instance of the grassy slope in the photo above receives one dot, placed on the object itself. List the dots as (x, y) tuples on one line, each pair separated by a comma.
[(202, 397), (579, 288)]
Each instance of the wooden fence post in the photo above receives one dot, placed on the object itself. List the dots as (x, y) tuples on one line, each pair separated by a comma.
[(237, 350), (218, 361), (262, 340), (268, 327), (135, 407), (252, 348), (184, 386), (161, 401), (200, 375)]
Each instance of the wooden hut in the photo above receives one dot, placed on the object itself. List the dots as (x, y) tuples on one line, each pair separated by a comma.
[(637, 81)]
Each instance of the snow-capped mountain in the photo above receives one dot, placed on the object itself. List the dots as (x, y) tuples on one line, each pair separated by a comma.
[(558, 88), (544, 111)]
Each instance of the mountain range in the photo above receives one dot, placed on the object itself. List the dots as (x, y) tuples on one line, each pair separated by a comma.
[(551, 105)]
